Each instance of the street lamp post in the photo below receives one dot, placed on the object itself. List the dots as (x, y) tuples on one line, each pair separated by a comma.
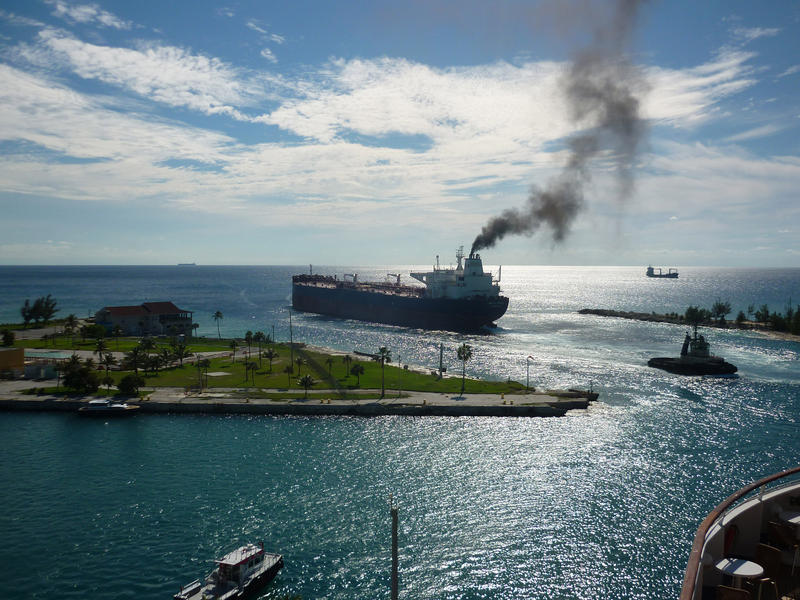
[(528, 372)]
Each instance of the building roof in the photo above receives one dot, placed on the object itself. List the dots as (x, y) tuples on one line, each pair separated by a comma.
[(147, 308), (162, 308), (123, 311)]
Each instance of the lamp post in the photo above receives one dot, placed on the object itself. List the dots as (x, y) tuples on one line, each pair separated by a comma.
[(528, 372)]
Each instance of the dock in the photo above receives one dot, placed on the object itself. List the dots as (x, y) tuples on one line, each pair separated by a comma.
[(553, 403)]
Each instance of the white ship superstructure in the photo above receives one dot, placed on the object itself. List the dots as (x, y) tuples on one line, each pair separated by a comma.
[(465, 281)]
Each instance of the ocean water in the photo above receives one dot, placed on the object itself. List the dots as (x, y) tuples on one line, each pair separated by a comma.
[(600, 503)]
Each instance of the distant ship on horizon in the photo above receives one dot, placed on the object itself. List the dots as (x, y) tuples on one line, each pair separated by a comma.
[(670, 274), (464, 298), (187, 264)]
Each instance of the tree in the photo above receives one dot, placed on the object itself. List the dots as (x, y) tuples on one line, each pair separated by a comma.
[(108, 381), (26, 312), (258, 338), (383, 356), (180, 351), (134, 358), (762, 314), (306, 381), (117, 332), (300, 362), (218, 318), (204, 364), (347, 359), (250, 367), (80, 376), (720, 310), (289, 370), (108, 361), (70, 325), (147, 343), (464, 353), (329, 362), (248, 337), (357, 370), (270, 355), (8, 337), (47, 309), (130, 384), (695, 315), (233, 345), (100, 347)]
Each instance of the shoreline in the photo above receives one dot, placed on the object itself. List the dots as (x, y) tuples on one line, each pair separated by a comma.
[(751, 326)]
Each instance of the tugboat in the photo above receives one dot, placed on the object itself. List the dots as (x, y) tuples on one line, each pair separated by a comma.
[(239, 574), (670, 274), (464, 298), (695, 359)]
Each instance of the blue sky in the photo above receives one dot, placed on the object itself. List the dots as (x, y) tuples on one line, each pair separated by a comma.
[(357, 133)]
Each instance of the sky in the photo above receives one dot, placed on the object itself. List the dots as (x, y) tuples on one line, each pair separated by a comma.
[(377, 132)]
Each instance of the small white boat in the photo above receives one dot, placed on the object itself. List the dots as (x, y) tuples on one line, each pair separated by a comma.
[(102, 407), (238, 575)]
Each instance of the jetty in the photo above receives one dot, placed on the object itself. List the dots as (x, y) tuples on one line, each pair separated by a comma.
[(550, 403)]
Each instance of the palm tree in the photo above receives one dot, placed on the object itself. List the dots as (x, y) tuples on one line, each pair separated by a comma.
[(357, 370), (134, 357), (306, 381), (147, 343), (250, 367), (464, 353), (108, 380), (329, 362), (100, 347), (248, 337), (300, 363), (218, 318), (117, 332), (107, 361), (270, 355), (347, 359), (195, 326), (383, 356), (258, 337), (289, 370), (233, 345), (70, 325)]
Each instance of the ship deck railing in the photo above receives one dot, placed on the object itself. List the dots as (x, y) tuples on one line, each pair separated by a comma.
[(390, 289), (746, 513)]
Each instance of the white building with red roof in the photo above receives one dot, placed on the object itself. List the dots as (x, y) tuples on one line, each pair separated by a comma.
[(150, 318)]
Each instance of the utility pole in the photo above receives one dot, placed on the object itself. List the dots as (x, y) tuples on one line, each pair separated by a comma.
[(291, 342)]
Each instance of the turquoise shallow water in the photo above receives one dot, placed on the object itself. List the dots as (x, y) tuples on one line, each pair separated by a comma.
[(601, 503)]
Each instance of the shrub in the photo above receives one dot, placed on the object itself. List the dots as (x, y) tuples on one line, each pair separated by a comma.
[(130, 384)]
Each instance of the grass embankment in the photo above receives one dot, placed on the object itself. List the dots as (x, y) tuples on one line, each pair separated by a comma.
[(329, 371)]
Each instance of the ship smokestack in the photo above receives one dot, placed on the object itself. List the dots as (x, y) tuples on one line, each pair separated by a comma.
[(601, 87)]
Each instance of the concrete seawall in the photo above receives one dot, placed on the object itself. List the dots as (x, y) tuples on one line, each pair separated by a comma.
[(484, 405)]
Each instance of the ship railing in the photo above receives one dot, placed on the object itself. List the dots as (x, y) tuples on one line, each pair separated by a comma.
[(716, 521)]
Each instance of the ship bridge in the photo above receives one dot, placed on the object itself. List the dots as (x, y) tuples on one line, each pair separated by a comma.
[(466, 280)]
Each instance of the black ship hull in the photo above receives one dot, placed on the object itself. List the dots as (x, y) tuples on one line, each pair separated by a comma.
[(693, 367), (467, 314)]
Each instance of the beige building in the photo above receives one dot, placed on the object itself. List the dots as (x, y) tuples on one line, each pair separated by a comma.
[(12, 362)]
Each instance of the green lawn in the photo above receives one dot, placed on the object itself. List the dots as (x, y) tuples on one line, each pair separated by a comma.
[(333, 376)]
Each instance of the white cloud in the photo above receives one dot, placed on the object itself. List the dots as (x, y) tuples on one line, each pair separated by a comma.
[(278, 39), (87, 13), (748, 34), (253, 24), (165, 74), (267, 53), (790, 71), (756, 132)]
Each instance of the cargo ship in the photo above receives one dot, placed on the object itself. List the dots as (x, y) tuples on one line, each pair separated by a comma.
[(464, 298)]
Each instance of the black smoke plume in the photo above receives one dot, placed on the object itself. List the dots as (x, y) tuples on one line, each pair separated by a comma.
[(601, 87)]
